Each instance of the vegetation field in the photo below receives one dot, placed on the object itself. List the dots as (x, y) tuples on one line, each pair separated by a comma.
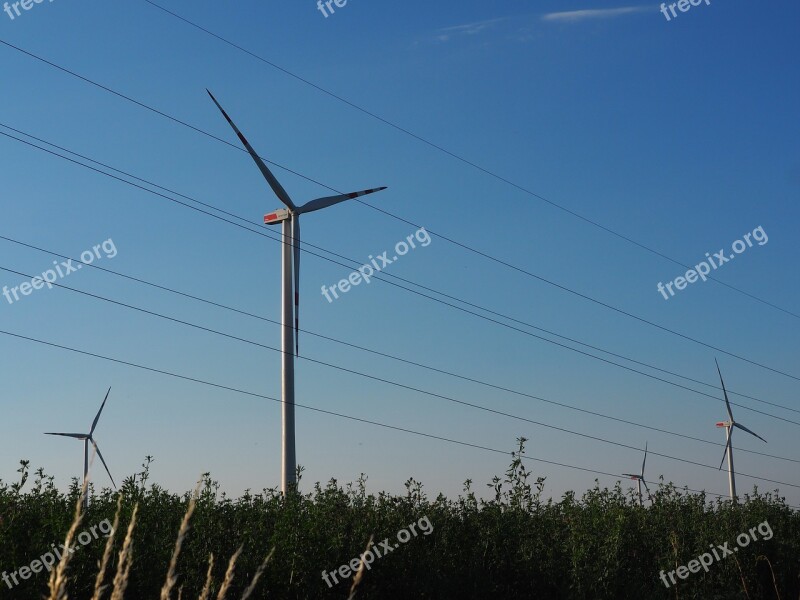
[(515, 545)]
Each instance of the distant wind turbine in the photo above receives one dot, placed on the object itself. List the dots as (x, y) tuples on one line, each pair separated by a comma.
[(729, 425), (290, 219), (87, 437), (640, 478)]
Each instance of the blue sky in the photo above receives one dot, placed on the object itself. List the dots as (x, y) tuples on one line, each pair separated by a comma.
[(681, 135)]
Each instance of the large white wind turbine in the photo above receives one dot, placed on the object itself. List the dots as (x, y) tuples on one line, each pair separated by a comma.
[(290, 218), (87, 437), (640, 478), (729, 425)]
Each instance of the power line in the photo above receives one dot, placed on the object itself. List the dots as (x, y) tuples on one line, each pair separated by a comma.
[(154, 110), (463, 160), (386, 355), (335, 414), (379, 278), (386, 381), (500, 261), (591, 437), (278, 239)]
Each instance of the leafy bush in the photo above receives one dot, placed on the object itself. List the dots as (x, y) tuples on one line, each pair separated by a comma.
[(603, 545)]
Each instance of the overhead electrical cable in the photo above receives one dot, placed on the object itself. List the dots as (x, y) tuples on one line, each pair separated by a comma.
[(500, 261), (386, 381), (263, 232), (332, 413), (465, 161), (384, 354)]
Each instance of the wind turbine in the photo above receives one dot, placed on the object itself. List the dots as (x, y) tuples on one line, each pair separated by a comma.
[(289, 217), (640, 478), (729, 425), (87, 437)]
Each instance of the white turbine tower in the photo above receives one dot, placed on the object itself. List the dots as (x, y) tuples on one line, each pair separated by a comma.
[(640, 478), (86, 438), (729, 425), (290, 218)]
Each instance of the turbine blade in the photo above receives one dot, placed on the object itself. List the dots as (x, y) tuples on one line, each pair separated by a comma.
[(649, 495), (273, 182), (97, 418), (724, 391), (77, 436), (100, 454), (725, 451), (742, 427), (645, 458), (331, 200), (296, 248)]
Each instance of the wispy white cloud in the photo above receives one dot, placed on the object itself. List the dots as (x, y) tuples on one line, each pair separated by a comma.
[(600, 13), (446, 34)]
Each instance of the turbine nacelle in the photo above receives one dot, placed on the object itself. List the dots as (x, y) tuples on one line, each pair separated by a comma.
[(277, 216), (725, 424)]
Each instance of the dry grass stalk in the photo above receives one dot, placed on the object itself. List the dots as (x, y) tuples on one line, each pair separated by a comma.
[(774, 582), (207, 587), (99, 588), (226, 584), (741, 576), (166, 591), (361, 570), (125, 560), (251, 588), (58, 577)]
